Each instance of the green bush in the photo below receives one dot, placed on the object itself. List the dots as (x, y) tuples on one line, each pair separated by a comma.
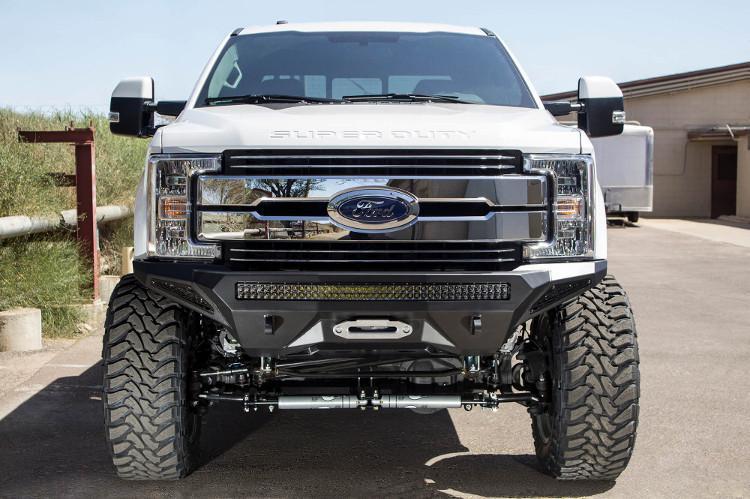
[(44, 270)]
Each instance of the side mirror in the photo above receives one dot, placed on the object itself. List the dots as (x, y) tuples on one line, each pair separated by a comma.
[(603, 108), (131, 109)]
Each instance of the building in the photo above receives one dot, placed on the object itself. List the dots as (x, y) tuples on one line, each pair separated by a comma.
[(701, 122)]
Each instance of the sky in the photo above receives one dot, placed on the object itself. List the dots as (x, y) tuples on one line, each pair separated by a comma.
[(58, 54)]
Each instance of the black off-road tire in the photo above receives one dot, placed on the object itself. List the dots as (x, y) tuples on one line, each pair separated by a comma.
[(151, 432), (633, 217), (588, 431)]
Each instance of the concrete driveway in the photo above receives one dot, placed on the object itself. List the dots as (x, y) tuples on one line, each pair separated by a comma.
[(691, 297)]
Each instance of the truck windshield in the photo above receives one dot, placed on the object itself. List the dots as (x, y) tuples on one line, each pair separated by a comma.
[(328, 66)]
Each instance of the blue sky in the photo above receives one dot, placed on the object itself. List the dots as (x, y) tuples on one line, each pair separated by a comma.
[(70, 54)]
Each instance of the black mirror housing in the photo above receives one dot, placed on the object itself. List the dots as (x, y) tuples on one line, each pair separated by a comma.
[(131, 108), (603, 107), (602, 117)]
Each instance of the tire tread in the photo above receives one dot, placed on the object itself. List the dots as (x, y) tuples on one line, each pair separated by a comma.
[(597, 389), (145, 382)]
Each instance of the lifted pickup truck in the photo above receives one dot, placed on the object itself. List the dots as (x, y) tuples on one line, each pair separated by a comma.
[(369, 217)]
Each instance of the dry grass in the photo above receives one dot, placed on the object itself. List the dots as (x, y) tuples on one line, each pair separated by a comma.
[(44, 270)]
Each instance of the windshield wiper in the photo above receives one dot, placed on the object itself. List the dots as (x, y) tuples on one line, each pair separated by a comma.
[(266, 99), (405, 97), (282, 98)]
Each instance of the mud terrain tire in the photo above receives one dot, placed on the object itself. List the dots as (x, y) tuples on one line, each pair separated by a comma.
[(588, 432), (150, 430)]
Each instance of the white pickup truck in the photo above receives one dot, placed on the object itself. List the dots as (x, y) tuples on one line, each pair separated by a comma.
[(369, 216)]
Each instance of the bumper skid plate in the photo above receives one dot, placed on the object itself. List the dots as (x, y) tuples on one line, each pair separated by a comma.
[(278, 314)]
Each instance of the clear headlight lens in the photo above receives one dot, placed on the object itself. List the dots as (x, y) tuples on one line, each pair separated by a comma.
[(169, 206), (573, 211)]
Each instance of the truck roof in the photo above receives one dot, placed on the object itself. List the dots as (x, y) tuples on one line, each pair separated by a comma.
[(361, 26)]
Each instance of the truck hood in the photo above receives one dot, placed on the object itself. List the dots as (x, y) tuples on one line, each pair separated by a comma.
[(213, 129)]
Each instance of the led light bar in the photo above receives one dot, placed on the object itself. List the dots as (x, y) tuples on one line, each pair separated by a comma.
[(371, 292)]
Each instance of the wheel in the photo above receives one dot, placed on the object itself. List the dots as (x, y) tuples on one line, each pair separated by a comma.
[(633, 217), (586, 429), (151, 432)]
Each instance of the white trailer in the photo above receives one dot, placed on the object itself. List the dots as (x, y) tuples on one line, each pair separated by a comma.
[(625, 169)]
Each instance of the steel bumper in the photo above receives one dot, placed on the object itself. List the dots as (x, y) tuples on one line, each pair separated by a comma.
[(286, 325)]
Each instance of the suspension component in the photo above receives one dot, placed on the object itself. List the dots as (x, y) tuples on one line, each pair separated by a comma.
[(374, 401), (420, 401), (320, 402)]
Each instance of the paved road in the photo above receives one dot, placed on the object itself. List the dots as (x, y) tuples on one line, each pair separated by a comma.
[(692, 302)]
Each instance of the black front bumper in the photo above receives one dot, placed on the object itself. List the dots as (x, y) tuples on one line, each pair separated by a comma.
[(278, 328)]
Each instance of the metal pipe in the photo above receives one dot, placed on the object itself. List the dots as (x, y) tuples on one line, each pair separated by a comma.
[(320, 402), (21, 225), (373, 374), (355, 363), (221, 397), (208, 374), (296, 402)]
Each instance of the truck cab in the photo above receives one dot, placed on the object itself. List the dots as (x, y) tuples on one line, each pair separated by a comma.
[(369, 216)]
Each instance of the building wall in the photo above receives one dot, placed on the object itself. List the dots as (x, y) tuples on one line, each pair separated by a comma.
[(743, 177), (682, 168)]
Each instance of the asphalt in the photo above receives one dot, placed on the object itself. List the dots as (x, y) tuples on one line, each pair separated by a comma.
[(691, 296)]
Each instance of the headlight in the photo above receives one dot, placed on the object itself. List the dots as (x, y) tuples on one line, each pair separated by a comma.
[(573, 210), (169, 206)]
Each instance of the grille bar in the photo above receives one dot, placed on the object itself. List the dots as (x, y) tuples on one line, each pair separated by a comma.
[(386, 162), (371, 255), (371, 156), (361, 251), (373, 260)]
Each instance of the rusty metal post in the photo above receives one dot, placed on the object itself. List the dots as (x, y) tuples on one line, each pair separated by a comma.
[(85, 181), (86, 231)]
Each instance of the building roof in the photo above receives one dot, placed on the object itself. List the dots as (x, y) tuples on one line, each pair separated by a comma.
[(362, 26), (675, 82)]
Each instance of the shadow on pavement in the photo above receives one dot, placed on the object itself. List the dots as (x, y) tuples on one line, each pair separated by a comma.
[(53, 445)]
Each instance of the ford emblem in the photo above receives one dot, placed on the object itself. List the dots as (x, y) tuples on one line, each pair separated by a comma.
[(373, 209)]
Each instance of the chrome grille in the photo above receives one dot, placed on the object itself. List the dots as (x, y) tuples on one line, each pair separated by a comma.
[(270, 209)]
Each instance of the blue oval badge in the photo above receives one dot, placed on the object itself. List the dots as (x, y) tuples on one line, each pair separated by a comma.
[(373, 209)]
